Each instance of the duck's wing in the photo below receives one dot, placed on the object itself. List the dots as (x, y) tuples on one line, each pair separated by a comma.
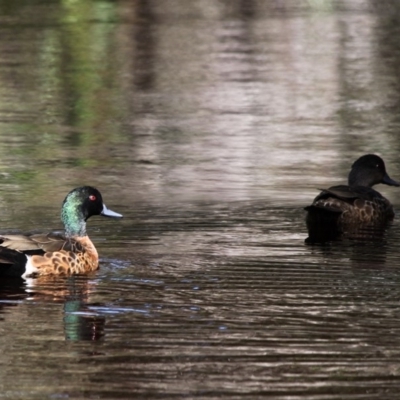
[(39, 243), (341, 192), (350, 193), (336, 199), (330, 199)]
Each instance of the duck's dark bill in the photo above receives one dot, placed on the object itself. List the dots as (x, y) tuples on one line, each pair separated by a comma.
[(109, 213), (389, 181)]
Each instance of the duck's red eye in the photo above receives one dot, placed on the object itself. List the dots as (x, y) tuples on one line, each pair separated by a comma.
[(92, 197)]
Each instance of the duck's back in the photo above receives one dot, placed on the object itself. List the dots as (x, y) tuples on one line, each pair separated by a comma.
[(350, 205)]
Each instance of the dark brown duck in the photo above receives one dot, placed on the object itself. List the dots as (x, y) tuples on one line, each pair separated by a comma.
[(357, 204)]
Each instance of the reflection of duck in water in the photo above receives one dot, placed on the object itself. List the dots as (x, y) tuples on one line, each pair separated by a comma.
[(56, 254), (80, 317), (81, 321), (347, 208)]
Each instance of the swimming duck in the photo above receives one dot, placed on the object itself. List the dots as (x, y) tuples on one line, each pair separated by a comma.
[(356, 204), (56, 253)]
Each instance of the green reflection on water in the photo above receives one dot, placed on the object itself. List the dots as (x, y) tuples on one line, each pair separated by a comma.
[(88, 65), (60, 91)]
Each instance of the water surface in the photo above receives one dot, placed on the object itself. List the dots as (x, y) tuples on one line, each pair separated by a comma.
[(209, 126)]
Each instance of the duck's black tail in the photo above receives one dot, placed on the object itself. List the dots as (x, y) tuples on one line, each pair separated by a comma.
[(322, 224), (12, 262)]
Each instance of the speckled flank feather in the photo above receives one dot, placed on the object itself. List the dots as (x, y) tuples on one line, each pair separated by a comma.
[(65, 262)]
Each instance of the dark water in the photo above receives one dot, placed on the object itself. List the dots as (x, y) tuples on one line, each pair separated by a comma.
[(209, 125)]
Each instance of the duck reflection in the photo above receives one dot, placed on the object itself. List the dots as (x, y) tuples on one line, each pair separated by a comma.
[(322, 234), (79, 320), (80, 323), (12, 291), (364, 249)]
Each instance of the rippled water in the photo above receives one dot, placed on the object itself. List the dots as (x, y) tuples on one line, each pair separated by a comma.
[(209, 125)]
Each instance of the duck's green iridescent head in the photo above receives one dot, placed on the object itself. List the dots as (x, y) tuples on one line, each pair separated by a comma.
[(79, 205)]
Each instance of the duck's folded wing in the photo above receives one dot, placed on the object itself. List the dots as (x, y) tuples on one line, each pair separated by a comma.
[(332, 199), (34, 243), (341, 192), (350, 193)]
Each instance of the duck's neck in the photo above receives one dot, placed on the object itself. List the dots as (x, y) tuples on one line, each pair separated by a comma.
[(74, 220), (359, 179)]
